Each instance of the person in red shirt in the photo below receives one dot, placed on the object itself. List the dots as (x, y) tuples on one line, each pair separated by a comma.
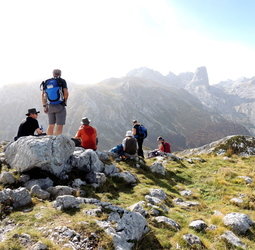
[(163, 146), (87, 134)]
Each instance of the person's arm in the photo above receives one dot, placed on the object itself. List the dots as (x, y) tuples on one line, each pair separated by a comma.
[(44, 102), (134, 131), (66, 94), (38, 131), (36, 126), (78, 135)]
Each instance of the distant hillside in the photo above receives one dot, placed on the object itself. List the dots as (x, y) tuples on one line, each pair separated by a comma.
[(112, 104)]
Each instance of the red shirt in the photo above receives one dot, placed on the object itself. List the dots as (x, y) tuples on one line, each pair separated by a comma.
[(165, 147), (88, 136)]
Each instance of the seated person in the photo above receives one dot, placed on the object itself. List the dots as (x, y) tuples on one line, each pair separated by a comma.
[(128, 146), (30, 125), (129, 143), (87, 135), (163, 148)]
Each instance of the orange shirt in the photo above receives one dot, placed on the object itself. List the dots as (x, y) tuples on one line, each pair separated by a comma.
[(88, 136)]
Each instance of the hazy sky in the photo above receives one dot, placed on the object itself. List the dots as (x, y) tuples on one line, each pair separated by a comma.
[(91, 40)]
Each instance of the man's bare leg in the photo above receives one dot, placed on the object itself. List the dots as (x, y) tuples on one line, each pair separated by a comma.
[(59, 130), (50, 129)]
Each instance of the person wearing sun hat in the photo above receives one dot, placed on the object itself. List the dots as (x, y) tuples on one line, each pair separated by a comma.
[(129, 143), (30, 125), (87, 134)]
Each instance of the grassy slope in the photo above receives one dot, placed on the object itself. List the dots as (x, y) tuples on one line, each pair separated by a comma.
[(213, 183)]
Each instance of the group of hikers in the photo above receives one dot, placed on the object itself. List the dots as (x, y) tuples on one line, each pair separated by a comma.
[(54, 100)]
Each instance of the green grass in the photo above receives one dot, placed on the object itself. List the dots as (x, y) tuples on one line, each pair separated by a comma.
[(213, 183)]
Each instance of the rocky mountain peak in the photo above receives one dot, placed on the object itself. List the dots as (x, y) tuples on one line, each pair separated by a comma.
[(149, 74), (200, 77)]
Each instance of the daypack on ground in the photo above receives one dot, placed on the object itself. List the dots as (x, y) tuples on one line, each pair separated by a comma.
[(53, 90), (142, 132)]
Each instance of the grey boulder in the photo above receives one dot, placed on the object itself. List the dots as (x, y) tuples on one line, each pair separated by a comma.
[(239, 223), (50, 153)]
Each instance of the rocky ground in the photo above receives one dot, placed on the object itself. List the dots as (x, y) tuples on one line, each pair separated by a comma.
[(56, 196)]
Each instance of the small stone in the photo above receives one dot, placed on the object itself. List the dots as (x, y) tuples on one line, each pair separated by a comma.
[(236, 201), (198, 225), (192, 239), (186, 193), (168, 221), (7, 178)]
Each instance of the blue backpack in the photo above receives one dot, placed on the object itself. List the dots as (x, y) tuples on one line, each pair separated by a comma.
[(53, 91), (142, 132)]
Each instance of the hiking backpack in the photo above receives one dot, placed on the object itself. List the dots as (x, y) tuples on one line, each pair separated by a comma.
[(53, 90), (142, 132)]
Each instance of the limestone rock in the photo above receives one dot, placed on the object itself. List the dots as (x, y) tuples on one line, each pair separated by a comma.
[(198, 225), (182, 203), (186, 193), (239, 223), (66, 202), (247, 179), (21, 197), (78, 182), (157, 167), (158, 193), (110, 170), (128, 227), (127, 177), (236, 201), (152, 200), (17, 198), (232, 239), (139, 208), (60, 191), (7, 178), (39, 246), (42, 183), (39, 193), (49, 153), (86, 161), (95, 179), (192, 239), (174, 225)]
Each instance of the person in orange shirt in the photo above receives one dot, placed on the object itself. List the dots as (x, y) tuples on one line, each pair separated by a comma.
[(87, 134)]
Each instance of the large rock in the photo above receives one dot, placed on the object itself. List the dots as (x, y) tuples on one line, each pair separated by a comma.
[(50, 153), (128, 228), (60, 191), (17, 198), (239, 223), (87, 161), (67, 202), (43, 183)]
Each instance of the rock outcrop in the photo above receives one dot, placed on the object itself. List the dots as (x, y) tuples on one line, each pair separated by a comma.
[(49, 153)]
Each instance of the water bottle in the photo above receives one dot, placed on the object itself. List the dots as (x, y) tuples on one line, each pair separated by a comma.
[(41, 128)]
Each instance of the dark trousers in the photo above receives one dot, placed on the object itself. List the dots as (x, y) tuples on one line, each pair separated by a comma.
[(140, 147)]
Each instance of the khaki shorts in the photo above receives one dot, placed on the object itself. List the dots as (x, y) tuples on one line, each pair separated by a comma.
[(57, 114)]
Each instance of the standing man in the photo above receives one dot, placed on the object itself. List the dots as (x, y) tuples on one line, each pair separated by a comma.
[(140, 133), (30, 125), (54, 100), (87, 134)]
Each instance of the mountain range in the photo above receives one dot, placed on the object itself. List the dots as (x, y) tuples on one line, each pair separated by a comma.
[(183, 108)]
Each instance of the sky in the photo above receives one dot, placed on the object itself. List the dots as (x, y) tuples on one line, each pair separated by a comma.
[(94, 40)]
